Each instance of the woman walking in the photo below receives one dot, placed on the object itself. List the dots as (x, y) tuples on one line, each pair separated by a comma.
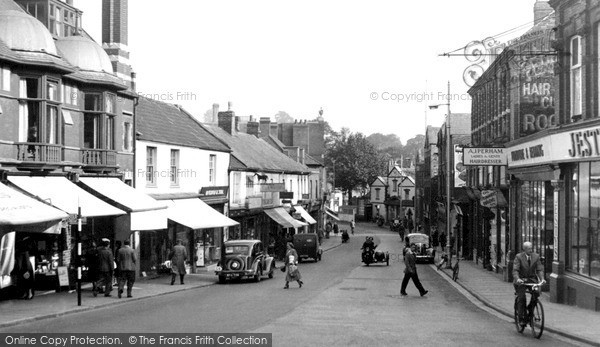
[(291, 263), (178, 257)]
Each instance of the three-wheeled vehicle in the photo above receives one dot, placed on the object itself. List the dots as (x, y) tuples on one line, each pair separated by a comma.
[(307, 246)]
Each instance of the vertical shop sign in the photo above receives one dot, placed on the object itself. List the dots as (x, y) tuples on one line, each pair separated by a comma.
[(555, 229)]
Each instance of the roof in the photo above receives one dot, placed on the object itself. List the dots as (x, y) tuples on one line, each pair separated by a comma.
[(21, 31), (381, 179), (6, 5), (310, 161), (460, 123), (461, 139), (273, 141), (410, 179), (98, 78), (432, 134), (236, 164), (256, 154), (158, 121), (84, 53)]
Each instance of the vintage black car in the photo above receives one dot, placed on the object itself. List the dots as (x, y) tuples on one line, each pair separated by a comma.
[(245, 259), (424, 251), (307, 246)]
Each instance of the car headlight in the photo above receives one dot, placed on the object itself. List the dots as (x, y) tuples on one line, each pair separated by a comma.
[(218, 268)]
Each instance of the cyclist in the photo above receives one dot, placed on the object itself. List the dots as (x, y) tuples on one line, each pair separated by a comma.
[(528, 268)]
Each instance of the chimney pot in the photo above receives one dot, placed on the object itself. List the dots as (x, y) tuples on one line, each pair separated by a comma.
[(215, 117), (229, 106)]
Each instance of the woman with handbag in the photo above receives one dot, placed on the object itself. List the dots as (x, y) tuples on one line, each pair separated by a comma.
[(291, 265)]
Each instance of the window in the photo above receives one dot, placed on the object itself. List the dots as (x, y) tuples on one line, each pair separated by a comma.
[(150, 165), (583, 238), (237, 178), (38, 111), (127, 137), (212, 169), (575, 79), (406, 194), (99, 121), (91, 131), (174, 167), (377, 191), (70, 94), (4, 79), (395, 185), (249, 182), (110, 132)]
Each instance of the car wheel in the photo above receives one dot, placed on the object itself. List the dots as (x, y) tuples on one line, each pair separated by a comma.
[(222, 279), (272, 271), (258, 275)]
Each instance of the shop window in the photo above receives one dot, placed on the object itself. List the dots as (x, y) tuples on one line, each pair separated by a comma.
[(584, 234), (212, 169), (576, 78)]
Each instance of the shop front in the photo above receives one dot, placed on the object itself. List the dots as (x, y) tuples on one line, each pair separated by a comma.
[(98, 221), (31, 232), (307, 218), (282, 230)]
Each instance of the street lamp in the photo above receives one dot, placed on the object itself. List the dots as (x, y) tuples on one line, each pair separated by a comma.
[(449, 169)]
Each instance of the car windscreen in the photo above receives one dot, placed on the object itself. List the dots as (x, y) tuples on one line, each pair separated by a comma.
[(237, 249), (419, 239)]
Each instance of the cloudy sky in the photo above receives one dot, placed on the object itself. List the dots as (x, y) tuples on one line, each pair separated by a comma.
[(373, 66)]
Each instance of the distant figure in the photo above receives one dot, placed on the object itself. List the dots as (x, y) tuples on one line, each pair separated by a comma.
[(126, 260), (106, 267), (352, 226), (434, 239), (336, 228), (291, 264), (443, 240), (23, 272), (328, 228), (320, 236), (410, 272), (178, 257), (93, 264)]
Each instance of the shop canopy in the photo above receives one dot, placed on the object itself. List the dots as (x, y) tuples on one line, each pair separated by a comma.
[(146, 213), (307, 217), (62, 194), (281, 217), (196, 214), (331, 214), (18, 210)]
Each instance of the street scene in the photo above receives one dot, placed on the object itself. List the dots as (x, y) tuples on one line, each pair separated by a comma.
[(323, 174)]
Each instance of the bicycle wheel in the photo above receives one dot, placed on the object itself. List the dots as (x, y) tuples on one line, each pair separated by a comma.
[(537, 320), (519, 327)]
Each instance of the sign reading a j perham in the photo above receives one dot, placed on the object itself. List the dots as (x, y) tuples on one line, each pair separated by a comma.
[(482, 156)]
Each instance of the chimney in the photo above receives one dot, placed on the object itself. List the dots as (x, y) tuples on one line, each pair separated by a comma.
[(237, 122), (229, 105), (215, 114), (115, 36), (70, 2), (540, 10), (133, 76), (252, 127), (265, 126), (227, 121)]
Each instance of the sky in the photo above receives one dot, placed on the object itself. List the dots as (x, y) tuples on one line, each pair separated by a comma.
[(373, 66)]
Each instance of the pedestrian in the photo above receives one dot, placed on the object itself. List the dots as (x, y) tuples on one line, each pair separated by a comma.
[(92, 261), (410, 271), (116, 276), (443, 240), (126, 261), (352, 225), (23, 272), (291, 263), (320, 235), (328, 228), (106, 267), (336, 228), (411, 226), (406, 246), (178, 257), (434, 239)]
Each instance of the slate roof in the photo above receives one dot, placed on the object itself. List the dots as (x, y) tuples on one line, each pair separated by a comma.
[(310, 161), (236, 164), (158, 121), (98, 78), (256, 154), (273, 141), (432, 134)]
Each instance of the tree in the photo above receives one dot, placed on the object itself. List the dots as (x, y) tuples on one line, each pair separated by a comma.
[(283, 117), (208, 116), (356, 160)]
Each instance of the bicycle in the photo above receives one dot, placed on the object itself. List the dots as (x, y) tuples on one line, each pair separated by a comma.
[(535, 311)]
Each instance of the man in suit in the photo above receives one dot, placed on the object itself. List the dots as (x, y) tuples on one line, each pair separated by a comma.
[(528, 268), (126, 260), (410, 271), (106, 267)]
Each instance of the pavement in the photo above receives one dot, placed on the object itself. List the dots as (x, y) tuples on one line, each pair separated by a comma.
[(52, 304), (490, 289)]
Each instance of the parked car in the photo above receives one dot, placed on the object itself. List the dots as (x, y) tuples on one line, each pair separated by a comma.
[(307, 246), (424, 251), (245, 259)]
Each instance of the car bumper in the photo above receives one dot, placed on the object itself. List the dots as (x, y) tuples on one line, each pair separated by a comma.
[(235, 274)]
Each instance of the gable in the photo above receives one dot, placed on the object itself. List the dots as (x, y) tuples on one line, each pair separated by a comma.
[(395, 172)]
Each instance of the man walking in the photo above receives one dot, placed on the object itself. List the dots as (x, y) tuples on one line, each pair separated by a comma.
[(410, 271), (106, 267), (528, 268), (126, 260)]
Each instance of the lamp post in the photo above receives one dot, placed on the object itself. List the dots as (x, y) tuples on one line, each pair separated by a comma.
[(449, 169)]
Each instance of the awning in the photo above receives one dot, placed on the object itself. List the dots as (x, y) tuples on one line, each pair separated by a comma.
[(279, 215), (331, 214), (146, 213), (196, 214), (17, 210), (307, 217), (64, 195)]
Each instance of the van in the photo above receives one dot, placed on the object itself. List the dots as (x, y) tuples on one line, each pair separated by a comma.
[(307, 246)]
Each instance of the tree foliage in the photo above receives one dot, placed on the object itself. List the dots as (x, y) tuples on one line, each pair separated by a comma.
[(354, 161), (283, 117)]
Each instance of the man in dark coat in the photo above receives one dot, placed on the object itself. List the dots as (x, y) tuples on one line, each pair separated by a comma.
[(528, 268), (178, 257), (126, 260), (410, 271), (106, 267)]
